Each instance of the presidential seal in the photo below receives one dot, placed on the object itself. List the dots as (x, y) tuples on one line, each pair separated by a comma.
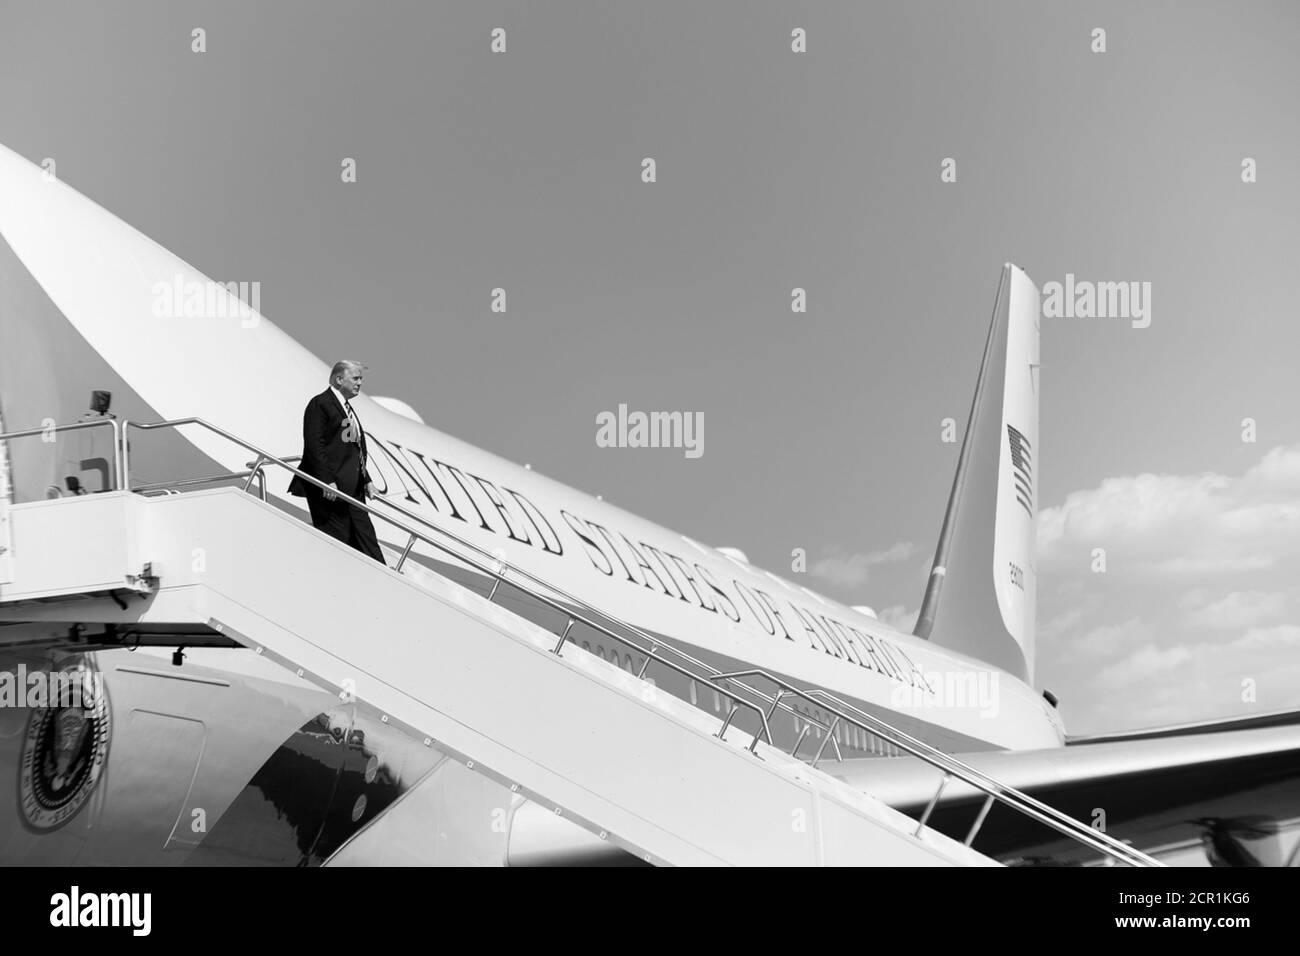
[(64, 751)]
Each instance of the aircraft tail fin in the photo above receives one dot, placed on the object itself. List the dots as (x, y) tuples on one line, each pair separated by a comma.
[(981, 595)]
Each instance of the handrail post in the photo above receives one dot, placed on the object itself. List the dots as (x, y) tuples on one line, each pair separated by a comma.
[(979, 820), (563, 637), (764, 728), (726, 724), (925, 817), (117, 455), (654, 649), (405, 553), (126, 454), (257, 466), (794, 751), (775, 701), (830, 731)]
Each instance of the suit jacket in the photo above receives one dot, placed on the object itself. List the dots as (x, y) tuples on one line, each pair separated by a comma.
[(330, 453)]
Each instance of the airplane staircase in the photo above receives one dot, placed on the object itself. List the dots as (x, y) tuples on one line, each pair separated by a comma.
[(573, 733)]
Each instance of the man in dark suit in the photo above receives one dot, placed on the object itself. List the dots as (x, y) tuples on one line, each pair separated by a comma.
[(334, 452)]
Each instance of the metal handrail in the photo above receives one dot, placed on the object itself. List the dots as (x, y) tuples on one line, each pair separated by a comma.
[(121, 481), (656, 644), (840, 709), (74, 426), (194, 482), (498, 572), (255, 471), (952, 767)]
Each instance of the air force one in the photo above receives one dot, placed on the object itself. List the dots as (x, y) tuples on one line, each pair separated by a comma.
[(190, 674)]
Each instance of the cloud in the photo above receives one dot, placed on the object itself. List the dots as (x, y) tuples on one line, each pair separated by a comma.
[(1252, 655), (1145, 664), (898, 617), (1062, 625), (1197, 615), (1237, 609), (1110, 639), (1178, 526), (852, 570)]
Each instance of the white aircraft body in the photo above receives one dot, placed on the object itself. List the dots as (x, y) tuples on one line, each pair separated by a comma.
[(221, 755)]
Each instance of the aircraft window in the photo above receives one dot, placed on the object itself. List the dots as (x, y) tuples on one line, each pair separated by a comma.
[(613, 657), (694, 694)]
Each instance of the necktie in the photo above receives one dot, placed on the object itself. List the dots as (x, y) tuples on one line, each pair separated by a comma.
[(356, 427)]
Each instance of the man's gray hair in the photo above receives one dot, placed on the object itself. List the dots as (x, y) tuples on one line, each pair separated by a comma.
[(345, 365)]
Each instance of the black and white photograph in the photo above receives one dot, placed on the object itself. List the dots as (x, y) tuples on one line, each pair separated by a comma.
[(650, 434)]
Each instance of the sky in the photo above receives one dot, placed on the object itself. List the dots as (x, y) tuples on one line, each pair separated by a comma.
[(775, 170)]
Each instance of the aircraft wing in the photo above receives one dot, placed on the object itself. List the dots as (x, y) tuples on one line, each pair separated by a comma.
[(1225, 793)]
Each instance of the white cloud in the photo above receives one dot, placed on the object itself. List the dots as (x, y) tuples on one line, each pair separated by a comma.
[(1143, 665), (1237, 609), (1062, 625), (1198, 602), (1109, 639), (1281, 636), (1250, 655), (1180, 526), (1153, 685), (852, 570), (898, 617)]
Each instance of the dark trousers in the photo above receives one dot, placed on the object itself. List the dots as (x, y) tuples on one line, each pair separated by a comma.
[(349, 524)]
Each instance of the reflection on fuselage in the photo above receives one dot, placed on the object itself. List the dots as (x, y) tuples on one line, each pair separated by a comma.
[(325, 783), (196, 765)]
